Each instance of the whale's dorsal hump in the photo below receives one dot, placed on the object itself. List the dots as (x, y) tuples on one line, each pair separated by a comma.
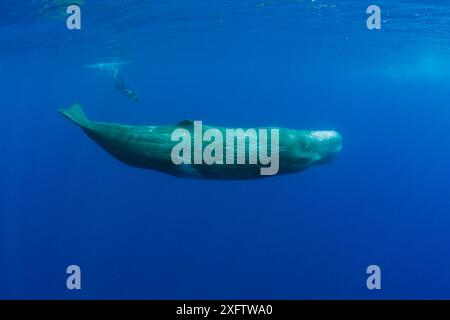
[(188, 124)]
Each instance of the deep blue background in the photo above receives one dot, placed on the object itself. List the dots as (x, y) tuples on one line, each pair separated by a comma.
[(305, 65)]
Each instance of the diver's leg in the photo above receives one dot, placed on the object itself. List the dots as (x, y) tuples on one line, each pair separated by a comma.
[(119, 81)]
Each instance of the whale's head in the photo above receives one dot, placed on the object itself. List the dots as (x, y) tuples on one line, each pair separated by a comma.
[(320, 147), (324, 146)]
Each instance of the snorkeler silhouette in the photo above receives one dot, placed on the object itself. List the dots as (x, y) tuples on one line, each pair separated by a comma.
[(120, 83)]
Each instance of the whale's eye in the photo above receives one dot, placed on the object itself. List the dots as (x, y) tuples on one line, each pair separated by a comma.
[(305, 145)]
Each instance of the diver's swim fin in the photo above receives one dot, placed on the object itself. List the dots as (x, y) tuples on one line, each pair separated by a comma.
[(107, 65), (75, 114)]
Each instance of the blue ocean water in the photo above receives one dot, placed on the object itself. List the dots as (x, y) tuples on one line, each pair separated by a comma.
[(298, 64)]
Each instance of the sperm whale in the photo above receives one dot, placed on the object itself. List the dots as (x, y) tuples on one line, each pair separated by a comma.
[(152, 147)]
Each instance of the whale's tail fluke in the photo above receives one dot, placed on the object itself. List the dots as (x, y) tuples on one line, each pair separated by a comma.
[(75, 114)]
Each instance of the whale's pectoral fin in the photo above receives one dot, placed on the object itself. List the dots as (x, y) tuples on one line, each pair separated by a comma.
[(75, 114), (187, 124)]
